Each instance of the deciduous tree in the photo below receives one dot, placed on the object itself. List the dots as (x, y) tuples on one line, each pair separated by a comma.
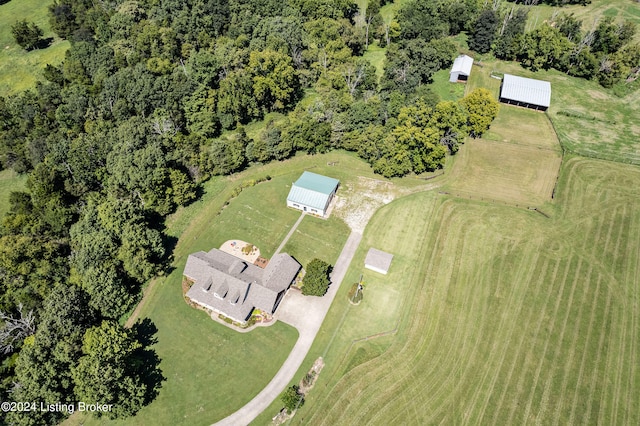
[(106, 372), (316, 280), (484, 31), (292, 398), (26, 34), (481, 108)]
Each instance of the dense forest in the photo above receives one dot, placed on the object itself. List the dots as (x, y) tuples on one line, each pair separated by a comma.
[(151, 100)]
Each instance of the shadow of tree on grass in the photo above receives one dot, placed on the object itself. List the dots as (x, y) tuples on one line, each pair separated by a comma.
[(148, 366)]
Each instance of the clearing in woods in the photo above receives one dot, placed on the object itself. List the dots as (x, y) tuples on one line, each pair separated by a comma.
[(19, 69), (492, 314)]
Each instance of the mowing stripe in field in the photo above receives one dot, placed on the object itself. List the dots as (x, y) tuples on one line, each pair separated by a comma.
[(509, 317)]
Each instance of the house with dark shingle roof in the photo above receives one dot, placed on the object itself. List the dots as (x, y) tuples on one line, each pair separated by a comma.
[(312, 193), (234, 288)]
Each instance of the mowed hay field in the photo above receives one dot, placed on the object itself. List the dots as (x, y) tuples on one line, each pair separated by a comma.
[(505, 316), (590, 120), (516, 161)]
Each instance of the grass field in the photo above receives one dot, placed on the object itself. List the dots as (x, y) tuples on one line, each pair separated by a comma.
[(503, 316), (589, 15), (516, 161), (590, 120), (19, 69), (317, 238), (9, 181), (445, 90)]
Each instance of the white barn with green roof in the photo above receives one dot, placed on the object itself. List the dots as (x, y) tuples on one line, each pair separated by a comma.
[(312, 193)]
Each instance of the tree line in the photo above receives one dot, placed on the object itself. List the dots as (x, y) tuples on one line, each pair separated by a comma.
[(603, 51)]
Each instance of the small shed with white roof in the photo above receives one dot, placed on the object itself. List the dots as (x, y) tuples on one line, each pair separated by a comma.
[(461, 69), (378, 261)]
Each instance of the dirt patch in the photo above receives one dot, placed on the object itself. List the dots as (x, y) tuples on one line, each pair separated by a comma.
[(241, 250), (358, 201)]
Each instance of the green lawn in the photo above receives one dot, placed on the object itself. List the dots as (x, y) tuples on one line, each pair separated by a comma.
[(19, 69), (446, 90), (9, 181), (210, 370), (517, 160), (503, 316), (317, 238), (376, 55)]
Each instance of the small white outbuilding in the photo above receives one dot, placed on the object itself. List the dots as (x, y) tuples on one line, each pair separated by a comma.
[(461, 69), (378, 261)]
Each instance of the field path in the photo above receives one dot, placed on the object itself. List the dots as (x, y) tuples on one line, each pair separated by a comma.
[(306, 314)]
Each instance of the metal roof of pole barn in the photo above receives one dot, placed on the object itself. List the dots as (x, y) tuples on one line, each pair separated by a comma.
[(312, 190), (462, 64), (527, 90)]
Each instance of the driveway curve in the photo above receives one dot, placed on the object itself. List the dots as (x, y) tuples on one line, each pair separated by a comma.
[(306, 314)]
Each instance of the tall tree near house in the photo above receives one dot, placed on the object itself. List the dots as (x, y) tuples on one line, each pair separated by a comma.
[(543, 48), (609, 36), (358, 76), (569, 25), (316, 280), (236, 101), (16, 328), (43, 367), (450, 119), (275, 81), (108, 370), (421, 19), (371, 17), (62, 18), (510, 35), (227, 153)]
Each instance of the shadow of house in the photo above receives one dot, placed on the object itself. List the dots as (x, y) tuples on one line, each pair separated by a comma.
[(232, 287)]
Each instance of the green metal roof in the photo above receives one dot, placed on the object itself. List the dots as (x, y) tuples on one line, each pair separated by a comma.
[(316, 182), (312, 190)]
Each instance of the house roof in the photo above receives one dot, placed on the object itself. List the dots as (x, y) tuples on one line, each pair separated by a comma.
[(378, 259), (526, 90), (462, 64), (231, 286), (312, 190)]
